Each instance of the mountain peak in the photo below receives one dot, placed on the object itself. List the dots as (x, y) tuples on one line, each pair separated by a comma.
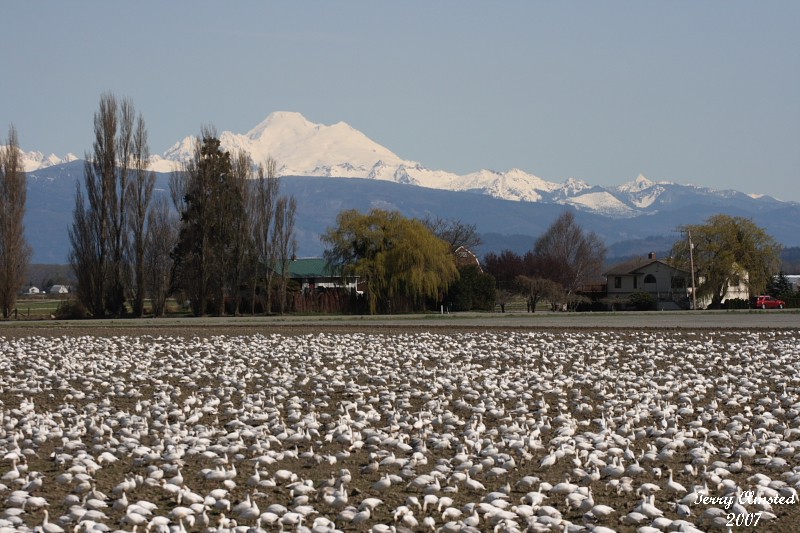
[(285, 122), (639, 184)]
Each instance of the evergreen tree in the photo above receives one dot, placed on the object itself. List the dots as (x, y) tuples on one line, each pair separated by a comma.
[(473, 290), (780, 286), (204, 231)]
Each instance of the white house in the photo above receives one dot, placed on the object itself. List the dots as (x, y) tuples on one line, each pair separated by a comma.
[(32, 290), (738, 289), (59, 289)]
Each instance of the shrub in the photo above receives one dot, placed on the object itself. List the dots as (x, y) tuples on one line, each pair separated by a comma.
[(70, 309), (642, 301), (736, 303)]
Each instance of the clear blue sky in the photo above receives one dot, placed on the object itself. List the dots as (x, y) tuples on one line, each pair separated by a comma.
[(694, 92)]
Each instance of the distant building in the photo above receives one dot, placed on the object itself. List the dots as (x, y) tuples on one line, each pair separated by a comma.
[(59, 289), (465, 256), (668, 285), (315, 274), (32, 290)]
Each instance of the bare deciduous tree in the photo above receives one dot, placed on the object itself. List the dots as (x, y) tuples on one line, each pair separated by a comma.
[(263, 197), (567, 255), (160, 239), (284, 242), (99, 234), (454, 232), (140, 194), (536, 289), (15, 253), (240, 244)]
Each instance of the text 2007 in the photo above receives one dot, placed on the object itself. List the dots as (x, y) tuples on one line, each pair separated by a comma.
[(744, 519)]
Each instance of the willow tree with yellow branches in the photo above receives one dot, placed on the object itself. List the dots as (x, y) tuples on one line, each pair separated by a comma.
[(727, 251), (399, 261)]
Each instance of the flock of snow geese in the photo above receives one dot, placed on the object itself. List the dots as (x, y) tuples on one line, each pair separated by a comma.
[(420, 431)]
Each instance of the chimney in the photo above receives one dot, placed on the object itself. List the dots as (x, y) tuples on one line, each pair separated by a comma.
[(651, 256)]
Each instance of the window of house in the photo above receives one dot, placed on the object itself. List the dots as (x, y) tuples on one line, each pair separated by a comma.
[(635, 282), (649, 278), (617, 282), (678, 283)]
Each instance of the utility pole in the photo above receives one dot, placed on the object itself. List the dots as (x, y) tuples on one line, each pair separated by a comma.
[(688, 232), (691, 265)]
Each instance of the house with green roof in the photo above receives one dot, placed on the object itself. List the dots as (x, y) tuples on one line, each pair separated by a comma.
[(315, 274)]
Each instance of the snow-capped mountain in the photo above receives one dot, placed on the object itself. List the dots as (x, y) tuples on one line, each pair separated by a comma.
[(303, 148), (35, 160)]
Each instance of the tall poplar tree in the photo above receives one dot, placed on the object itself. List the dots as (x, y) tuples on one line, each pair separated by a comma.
[(263, 198), (284, 243), (160, 239), (15, 253), (139, 195)]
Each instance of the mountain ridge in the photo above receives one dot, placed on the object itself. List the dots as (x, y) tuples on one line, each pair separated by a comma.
[(502, 223), (304, 148)]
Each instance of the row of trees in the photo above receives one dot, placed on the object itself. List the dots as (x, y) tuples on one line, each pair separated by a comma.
[(109, 222), (236, 230), (725, 251), (406, 264), (231, 231)]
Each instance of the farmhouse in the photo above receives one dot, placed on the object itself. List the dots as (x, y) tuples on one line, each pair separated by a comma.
[(32, 290), (314, 274), (668, 285), (59, 289)]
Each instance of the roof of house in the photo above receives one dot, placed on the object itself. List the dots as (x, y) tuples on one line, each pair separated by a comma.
[(633, 266), (465, 256), (312, 267)]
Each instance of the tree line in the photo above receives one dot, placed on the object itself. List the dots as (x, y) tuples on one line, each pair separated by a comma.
[(565, 263), (232, 230), (225, 243)]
